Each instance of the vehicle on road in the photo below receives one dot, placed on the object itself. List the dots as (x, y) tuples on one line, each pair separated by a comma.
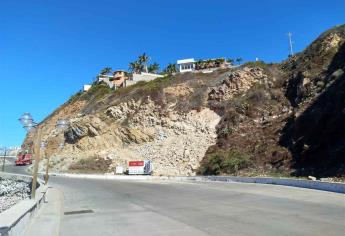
[(24, 157)]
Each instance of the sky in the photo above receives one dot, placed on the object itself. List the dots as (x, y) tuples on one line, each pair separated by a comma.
[(50, 48)]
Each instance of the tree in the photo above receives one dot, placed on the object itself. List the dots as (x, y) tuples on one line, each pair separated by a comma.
[(106, 71), (135, 67), (153, 68), (239, 60), (170, 69), (143, 60), (132, 66), (230, 61)]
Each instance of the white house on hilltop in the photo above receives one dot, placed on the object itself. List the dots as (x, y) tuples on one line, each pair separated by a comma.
[(204, 66), (86, 87), (186, 65)]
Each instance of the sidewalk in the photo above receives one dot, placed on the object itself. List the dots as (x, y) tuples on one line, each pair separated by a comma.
[(48, 221)]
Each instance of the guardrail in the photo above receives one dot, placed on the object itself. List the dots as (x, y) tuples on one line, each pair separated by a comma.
[(15, 220)]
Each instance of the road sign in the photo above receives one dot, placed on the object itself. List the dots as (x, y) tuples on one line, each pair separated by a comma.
[(140, 167)]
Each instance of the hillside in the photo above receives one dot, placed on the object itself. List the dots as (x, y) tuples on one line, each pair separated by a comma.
[(257, 119)]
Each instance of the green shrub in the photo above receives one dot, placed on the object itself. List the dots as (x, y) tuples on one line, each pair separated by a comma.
[(227, 131), (75, 96), (97, 91), (144, 86), (91, 165), (260, 64), (224, 162), (156, 83)]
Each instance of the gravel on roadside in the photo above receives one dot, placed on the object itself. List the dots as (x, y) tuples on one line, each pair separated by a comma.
[(12, 191)]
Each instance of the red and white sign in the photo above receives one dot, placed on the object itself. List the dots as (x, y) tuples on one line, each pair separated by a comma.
[(136, 163), (139, 167)]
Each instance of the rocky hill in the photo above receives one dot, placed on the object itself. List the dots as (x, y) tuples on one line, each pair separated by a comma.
[(257, 119)]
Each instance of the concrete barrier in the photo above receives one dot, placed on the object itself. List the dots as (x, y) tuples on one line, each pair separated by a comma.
[(15, 220), (317, 185)]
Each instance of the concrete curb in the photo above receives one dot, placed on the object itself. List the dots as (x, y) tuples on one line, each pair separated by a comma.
[(309, 184), (15, 220)]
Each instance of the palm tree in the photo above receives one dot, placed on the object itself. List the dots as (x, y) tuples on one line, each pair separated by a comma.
[(230, 61), (143, 59), (239, 60), (132, 66), (170, 69), (153, 68), (106, 71), (135, 67)]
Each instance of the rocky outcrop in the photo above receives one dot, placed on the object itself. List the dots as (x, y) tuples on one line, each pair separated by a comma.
[(141, 130), (238, 82)]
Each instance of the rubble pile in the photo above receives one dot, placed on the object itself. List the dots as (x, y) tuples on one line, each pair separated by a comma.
[(12, 191)]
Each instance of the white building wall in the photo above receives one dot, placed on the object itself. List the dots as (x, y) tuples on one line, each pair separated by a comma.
[(186, 65), (142, 77), (86, 87), (106, 80)]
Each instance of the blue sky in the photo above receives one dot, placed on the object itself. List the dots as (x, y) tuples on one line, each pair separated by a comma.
[(50, 48)]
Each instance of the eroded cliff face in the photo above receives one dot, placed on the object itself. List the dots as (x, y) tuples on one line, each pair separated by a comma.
[(140, 130), (256, 119)]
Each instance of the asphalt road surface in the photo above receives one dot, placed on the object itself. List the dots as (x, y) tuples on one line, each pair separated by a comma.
[(12, 168), (108, 207), (131, 207)]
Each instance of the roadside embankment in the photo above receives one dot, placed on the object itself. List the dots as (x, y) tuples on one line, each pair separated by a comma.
[(12, 190), (15, 219)]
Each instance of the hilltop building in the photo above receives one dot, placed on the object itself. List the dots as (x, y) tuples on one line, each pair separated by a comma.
[(204, 66), (135, 78), (186, 65), (86, 87), (121, 78), (106, 79), (116, 80)]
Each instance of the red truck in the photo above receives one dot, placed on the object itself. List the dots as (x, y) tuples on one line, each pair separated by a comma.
[(23, 158)]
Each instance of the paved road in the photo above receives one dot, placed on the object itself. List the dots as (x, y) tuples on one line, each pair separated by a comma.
[(176, 208), (12, 168), (191, 208)]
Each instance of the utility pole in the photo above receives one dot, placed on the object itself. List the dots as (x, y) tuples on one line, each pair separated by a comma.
[(46, 177), (4, 160), (37, 149), (290, 44)]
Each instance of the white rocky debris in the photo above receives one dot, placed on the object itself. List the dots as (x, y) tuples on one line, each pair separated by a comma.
[(12, 191)]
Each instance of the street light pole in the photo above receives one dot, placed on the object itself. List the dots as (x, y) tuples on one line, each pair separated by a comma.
[(28, 123), (46, 176), (4, 160), (37, 151)]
